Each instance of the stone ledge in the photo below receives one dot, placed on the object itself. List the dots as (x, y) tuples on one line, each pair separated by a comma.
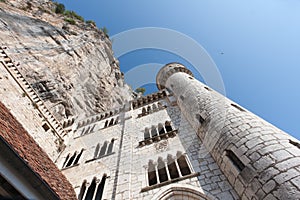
[(145, 189)]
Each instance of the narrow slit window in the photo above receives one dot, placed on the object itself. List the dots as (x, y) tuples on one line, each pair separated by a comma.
[(146, 134), (110, 146), (162, 172), (111, 122), (172, 167), (183, 165), (235, 160), (100, 188), (153, 131), (200, 118), (71, 159), (67, 158), (103, 149), (82, 190), (78, 157), (91, 190), (161, 129), (168, 126), (238, 107), (294, 143), (106, 123), (151, 174), (96, 150)]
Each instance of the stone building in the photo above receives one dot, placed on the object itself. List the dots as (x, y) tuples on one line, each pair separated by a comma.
[(185, 141)]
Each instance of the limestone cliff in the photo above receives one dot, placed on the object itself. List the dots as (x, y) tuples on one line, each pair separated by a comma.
[(70, 66)]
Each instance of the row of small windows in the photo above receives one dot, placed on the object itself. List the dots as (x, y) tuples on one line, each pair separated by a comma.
[(94, 190), (111, 122), (168, 169), (159, 130), (150, 109), (72, 160), (103, 150), (99, 117), (100, 151), (148, 99)]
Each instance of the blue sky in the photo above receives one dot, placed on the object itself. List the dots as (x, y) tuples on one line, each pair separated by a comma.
[(255, 45)]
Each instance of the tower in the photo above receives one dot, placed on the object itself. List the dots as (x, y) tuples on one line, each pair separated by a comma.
[(259, 160)]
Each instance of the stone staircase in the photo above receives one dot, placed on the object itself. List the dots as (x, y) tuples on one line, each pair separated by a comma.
[(37, 102)]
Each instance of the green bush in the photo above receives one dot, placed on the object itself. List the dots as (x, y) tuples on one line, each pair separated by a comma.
[(105, 30), (72, 14), (91, 22), (60, 8), (70, 20)]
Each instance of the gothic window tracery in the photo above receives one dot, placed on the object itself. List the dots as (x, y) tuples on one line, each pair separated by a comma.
[(168, 169), (94, 190), (157, 133), (73, 160)]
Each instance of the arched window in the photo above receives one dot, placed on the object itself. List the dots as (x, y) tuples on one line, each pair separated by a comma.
[(183, 165), (96, 150), (111, 122), (110, 146), (100, 188), (159, 105), (106, 123), (71, 159), (103, 149), (172, 167), (168, 126), (152, 179), (161, 129), (117, 120), (162, 172), (67, 158), (82, 190), (91, 190), (143, 111), (82, 132), (93, 127), (153, 131), (78, 157), (146, 134), (154, 106), (148, 109)]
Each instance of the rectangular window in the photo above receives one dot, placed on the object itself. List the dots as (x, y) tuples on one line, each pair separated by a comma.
[(235, 160)]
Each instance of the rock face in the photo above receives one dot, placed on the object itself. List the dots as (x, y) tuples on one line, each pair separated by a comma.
[(71, 67)]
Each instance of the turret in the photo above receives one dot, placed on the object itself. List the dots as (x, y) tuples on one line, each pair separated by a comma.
[(259, 160)]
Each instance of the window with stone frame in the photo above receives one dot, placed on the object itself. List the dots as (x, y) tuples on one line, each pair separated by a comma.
[(151, 109), (72, 160), (103, 150), (93, 190), (165, 170), (157, 133)]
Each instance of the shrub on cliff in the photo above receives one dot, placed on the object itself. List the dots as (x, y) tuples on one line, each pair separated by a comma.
[(60, 8)]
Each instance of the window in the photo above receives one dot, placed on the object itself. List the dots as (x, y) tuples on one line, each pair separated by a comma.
[(200, 118), (296, 144), (73, 160), (91, 193), (105, 150), (46, 127), (172, 167), (166, 170), (238, 107), (158, 133), (151, 173), (235, 160), (168, 126)]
